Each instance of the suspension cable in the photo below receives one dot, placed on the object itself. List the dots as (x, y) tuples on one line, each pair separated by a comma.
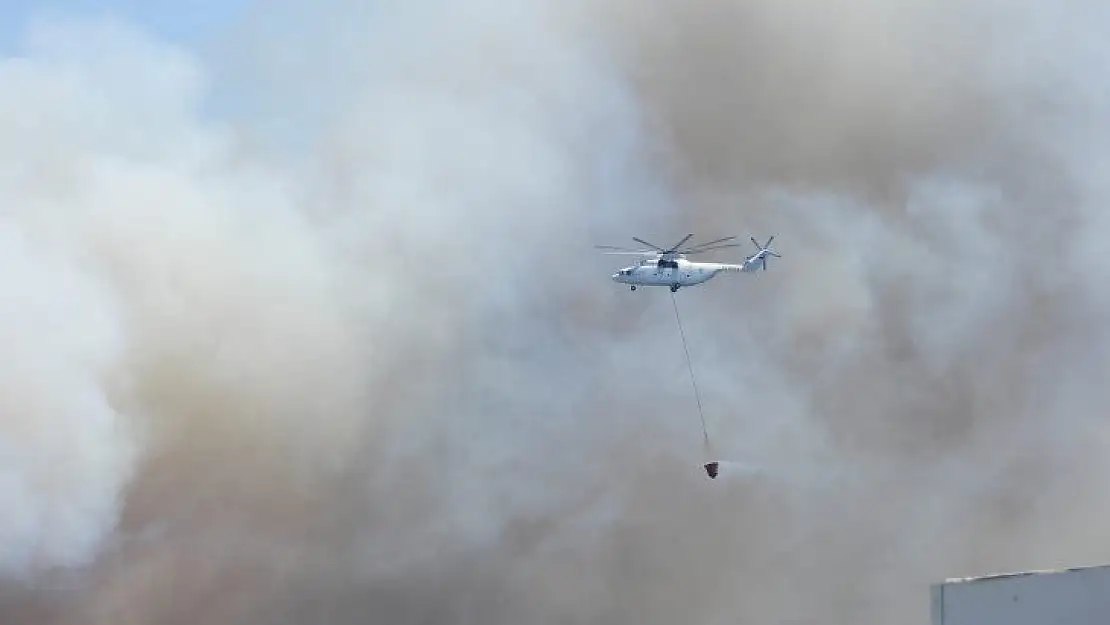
[(690, 366)]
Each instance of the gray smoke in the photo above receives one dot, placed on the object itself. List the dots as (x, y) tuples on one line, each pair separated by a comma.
[(307, 328)]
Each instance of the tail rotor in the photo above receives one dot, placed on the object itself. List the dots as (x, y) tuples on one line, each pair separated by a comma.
[(764, 251)]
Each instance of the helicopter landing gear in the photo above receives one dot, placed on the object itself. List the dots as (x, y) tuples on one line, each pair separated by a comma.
[(674, 287), (633, 287)]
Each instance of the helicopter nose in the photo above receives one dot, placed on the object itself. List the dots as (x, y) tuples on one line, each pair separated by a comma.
[(615, 277)]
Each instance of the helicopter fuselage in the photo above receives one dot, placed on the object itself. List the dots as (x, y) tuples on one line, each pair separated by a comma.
[(675, 273)]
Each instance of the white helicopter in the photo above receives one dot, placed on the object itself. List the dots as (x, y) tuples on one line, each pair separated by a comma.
[(669, 267)]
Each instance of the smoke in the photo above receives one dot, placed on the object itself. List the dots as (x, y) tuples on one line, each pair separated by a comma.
[(307, 328)]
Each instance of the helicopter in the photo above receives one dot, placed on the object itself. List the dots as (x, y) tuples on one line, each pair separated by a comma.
[(669, 267)]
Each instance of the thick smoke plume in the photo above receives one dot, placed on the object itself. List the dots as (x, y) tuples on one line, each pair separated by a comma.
[(307, 327)]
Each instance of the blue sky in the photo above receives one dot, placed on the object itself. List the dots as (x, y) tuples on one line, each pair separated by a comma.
[(200, 25), (186, 22)]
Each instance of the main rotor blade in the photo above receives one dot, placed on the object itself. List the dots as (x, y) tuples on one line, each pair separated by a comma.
[(676, 245), (701, 245), (651, 245), (755, 243), (708, 249), (768, 244), (614, 247)]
